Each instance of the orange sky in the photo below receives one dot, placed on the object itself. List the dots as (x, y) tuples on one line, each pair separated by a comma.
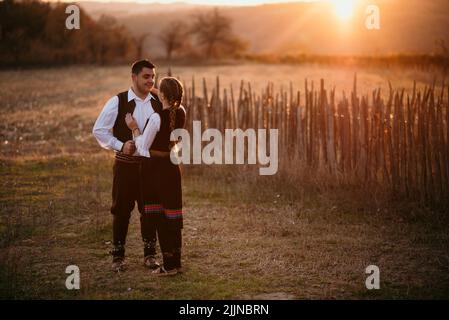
[(206, 2)]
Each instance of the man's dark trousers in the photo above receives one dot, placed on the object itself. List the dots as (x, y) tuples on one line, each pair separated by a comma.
[(126, 190)]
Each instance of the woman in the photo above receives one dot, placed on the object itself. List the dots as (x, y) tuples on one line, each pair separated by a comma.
[(161, 179)]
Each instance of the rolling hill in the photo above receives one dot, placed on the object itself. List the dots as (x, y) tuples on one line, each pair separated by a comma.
[(407, 26)]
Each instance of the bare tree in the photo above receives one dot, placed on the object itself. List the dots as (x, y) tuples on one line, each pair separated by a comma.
[(214, 34), (441, 44), (140, 42), (175, 38)]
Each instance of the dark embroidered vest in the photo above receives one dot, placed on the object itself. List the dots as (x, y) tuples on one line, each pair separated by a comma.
[(120, 130)]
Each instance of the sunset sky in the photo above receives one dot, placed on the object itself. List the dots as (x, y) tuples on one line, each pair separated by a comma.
[(343, 8), (206, 2), (322, 27)]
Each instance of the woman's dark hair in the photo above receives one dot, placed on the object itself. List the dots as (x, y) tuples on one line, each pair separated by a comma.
[(140, 64), (173, 92)]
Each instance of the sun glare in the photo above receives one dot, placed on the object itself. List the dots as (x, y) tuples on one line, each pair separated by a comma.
[(344, 8)]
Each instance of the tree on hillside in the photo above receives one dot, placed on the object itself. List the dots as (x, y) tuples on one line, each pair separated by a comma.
[(214, 34), (441, 44), (175, 38), (34, 32), (140, 43), (21, 23), (113, 41)]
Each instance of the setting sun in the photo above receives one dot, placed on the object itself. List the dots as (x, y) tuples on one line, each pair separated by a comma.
[(344, 8)]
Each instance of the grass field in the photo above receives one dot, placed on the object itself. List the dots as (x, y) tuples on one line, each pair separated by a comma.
[(246, 236)]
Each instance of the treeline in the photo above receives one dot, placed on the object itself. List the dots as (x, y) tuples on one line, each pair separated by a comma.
[(34, 33), (207, 36), (440, 60)]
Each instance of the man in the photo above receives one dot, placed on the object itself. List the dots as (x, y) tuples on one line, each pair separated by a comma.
[(112, 133)]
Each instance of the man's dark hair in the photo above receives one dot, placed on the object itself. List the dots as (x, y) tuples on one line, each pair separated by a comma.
[(140, 64)]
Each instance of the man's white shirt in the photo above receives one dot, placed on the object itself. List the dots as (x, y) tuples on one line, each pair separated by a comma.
[(102, 129)]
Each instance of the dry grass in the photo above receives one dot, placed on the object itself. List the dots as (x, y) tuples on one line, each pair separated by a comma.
[(236, 244), (245, 236), (51, 112)]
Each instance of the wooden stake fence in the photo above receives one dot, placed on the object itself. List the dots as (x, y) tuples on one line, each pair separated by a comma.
[(400, 142)]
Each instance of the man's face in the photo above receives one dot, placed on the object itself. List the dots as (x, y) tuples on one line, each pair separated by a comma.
[(144, 81)]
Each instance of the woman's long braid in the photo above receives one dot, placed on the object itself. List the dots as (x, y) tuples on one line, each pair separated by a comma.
[(172, 116), (174, 107)]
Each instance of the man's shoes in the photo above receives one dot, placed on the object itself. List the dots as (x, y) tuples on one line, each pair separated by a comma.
[(161, 272), (118, 264), (151, 263), (118, 257)]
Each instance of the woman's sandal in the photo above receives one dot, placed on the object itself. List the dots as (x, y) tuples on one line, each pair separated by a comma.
[(161, 272)]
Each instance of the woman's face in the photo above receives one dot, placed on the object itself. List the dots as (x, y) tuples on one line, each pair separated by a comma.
[(161, 96)]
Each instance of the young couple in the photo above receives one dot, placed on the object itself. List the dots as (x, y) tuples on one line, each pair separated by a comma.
[(137, 124)]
